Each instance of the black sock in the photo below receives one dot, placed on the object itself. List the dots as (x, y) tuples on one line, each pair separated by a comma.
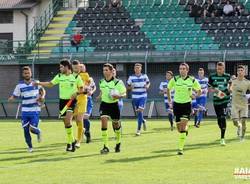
[(222, 124)]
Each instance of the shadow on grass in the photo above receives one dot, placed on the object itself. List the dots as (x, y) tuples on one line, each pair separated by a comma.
[(136, 159), (170, 152), (65, 157), (38, 149), (27, 156), (199, 146)]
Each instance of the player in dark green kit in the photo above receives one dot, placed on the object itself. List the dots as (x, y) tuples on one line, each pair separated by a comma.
[(220, 84), (183, 86), (112, 90)]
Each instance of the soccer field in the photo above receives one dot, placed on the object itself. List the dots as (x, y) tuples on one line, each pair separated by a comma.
[(150, 158)]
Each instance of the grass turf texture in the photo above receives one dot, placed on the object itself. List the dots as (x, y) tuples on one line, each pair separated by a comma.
[(150, 158)]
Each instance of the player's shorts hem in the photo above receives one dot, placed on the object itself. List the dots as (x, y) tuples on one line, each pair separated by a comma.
[(25, 125), (105, 116)]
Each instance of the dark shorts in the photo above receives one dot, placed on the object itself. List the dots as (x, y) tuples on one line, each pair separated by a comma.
[(182, 111), (62, 104), (221, 110), (110, 110)]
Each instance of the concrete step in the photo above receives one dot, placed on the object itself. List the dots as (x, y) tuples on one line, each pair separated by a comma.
[(41, 51), (54, 31), (62, 18), (55, 25), (47, 44), (50, 38), (67, 12)]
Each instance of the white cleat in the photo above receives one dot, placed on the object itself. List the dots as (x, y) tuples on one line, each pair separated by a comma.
[(78, 145), (30, 150), (138, 133), (222, 142)]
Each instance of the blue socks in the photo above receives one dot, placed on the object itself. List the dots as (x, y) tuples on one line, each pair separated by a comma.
[(87, 125), (140, 120), (200, 116), (35, 130), (171, 119), (27, 136)]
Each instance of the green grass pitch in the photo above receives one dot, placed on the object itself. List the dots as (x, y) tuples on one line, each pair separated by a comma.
[(150, 158)]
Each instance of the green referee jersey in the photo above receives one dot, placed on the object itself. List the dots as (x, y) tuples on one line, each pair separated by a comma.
[(107, 86), (68, 85), (183, 88), (221, 83)]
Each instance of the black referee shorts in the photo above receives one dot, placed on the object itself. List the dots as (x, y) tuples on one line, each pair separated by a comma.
[(182, 111), (62, 104), (110, 109)]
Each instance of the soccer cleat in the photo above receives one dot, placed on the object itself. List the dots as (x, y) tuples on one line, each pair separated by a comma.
[(242, 139), (68, 147), (88, 137), (117, 148), (197, 125), (222, 142), (180, 152), (78, 145), (172, 128), (138, 133), (144, 125), (105, 150), (73, 146), (39, 137), (30, 150)]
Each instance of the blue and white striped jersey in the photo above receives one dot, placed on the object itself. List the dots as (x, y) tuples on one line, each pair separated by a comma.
[(29, 95), (138, 83), (163, 87), (204, 85)]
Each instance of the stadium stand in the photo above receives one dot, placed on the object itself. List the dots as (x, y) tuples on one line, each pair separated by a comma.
[(229, 32)]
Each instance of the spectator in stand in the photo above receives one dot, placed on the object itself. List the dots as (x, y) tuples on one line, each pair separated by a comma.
[(239, 9), (196, 10), (228, 9), (115, 3), (76, 40), (209, 9)]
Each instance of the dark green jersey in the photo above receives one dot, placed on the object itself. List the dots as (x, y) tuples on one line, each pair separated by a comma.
[(220, 82)]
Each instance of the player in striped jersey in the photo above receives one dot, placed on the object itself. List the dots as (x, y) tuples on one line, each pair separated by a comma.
[(139, 84), (163, 90), (31, 96), (202, 99)]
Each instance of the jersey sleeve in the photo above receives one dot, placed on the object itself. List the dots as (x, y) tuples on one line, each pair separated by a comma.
[(196, 85), (129, 82), (147, 79), (171, 84), (79, 82), (210, 81), (121, 87), (55, 80), (17, 91), (161, 86)]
